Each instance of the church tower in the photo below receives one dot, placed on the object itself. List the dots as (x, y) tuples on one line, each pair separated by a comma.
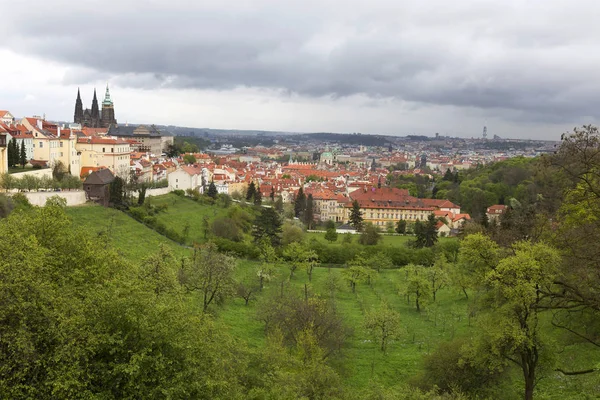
[(95, 114), (108, 111), (78, 117)]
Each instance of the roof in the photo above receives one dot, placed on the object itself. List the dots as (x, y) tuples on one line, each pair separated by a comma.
[(100, 140), (100, 177), (135, 130), (496, 209), (3, 113)]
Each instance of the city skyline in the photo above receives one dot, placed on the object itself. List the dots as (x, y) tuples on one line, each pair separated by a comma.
[(394, 68)]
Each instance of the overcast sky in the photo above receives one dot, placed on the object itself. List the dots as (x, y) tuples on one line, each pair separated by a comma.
[(523, 68)]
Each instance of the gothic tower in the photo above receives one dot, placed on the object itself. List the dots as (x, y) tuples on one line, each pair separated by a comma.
[(95, 115), (78, 117), (108, 111)]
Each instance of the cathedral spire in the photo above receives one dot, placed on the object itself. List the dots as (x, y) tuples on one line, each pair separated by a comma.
[(78, 116), (107, 100), (95, 114)]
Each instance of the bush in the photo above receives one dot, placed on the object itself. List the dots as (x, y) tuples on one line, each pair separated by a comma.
[(370, 235), (226, 228), (178, 192), (238, 249)]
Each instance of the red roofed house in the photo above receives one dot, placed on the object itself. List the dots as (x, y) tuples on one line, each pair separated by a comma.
[(494, 212), (6, 117), (186, 177)]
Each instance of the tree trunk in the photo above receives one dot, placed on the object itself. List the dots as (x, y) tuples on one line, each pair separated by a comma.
[(465, 292), (417, 303)]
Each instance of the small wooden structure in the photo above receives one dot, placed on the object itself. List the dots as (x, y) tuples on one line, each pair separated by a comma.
[(97, 186)]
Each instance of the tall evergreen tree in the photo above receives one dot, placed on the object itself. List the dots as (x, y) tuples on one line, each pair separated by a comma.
[(212, 190), (309, 212), (267, 225), (12, 153), (448, 176), (258, 197), (23, 155), (272, 195), (356, 218), (426, 233), (299, 203), (251, 191)]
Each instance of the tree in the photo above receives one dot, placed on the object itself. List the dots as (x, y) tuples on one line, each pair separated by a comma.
[(354, 275), (267, 225), (278, 204), (10, 156), (356, 218), (157, 271), (189, 159), (251, 192), (448, 176), (116, 189), (58, 171), (142, 194), (292, 232), (212, 190), (426, 234), (511, 327), (309, 212), (438, 275), (210, 273), (258, 196), (300, 257), (416, 284), (272, 194), (226, 228), (370, 235), (23, 155), (383, 324), (268, 258), (331, 234), (401, 227), (299, 203)]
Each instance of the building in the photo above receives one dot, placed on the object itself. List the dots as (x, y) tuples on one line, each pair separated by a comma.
[(93, 118), (107, 152), (144, 138), (6, 117), (3, 151), (494, 212), (97, 186), (186, 177)]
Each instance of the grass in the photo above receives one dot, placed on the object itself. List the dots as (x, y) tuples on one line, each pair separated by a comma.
[(182, 212), (361, 362), (131, 238)]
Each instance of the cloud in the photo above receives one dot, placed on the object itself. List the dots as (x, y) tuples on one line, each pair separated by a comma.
[(512, 59)]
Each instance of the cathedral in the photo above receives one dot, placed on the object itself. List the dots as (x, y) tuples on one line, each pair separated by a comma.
[(94, 118)]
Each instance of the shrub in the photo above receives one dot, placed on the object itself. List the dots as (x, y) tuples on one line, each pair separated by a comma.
[(178, 192)]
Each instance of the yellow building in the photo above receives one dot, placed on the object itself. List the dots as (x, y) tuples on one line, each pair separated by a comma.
[(3, 152), (111, 153)]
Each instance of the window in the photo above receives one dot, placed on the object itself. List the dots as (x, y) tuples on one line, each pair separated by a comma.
[(61, 144), (104, 150), (41, 144), (112, 150)]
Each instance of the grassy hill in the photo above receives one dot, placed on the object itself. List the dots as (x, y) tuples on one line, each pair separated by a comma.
[(361, 362), (133, 239)]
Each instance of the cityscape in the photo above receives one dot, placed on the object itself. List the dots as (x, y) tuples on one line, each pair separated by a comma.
[(299, 200)]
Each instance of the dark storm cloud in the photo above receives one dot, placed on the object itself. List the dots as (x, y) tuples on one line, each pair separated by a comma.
[(539, 63)]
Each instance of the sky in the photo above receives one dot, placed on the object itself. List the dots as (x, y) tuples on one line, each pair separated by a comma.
[(524, 69)]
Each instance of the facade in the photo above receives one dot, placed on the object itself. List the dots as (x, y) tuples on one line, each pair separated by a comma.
[(3, 151), (185, 177), (6, 117), (110, 153), (145, 138), (96, 186), (494, 212), (93, 118)]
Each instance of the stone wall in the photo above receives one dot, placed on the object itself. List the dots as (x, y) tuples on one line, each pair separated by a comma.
[(74, 198)]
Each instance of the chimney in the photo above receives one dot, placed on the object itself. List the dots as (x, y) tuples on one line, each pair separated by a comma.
[(39, 124), (58, 130)]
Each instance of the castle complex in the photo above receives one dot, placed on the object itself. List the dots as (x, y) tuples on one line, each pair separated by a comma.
[(94, 118)]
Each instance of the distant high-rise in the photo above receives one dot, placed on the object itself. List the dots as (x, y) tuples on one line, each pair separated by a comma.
[(485, 132), (93, 118)]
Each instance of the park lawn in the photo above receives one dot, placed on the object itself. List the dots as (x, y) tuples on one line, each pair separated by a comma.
[(182, 212), (391, 240), (131, 238)]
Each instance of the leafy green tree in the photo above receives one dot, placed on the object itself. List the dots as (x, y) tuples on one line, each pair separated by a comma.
[(189, 159), (416, 284), (142, 194), (278, 204), (210, 273), (158, 272), (292, 232), (267, 225), (331, 234), (354, 275), (383, 324), (301, 257), (370, 235), (212, 190), (511, 329), (438, 275), (356, 218)]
